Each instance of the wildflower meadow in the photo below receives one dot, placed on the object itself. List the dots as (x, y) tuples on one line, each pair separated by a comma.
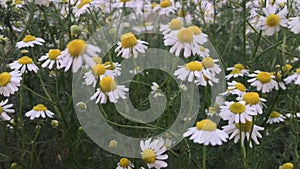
[(149, 84)]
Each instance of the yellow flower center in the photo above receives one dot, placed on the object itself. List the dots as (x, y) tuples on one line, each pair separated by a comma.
[(185, 35), (165, 3), (99, 69), (206, 125), (195, 29), (18, 2), (1, 110), (153, 5), (240, 87), (25, 60), (83, 2), (108, 84), (4, 78), (40, 107), (124, 162), (275, 114), (272, 20), (194, 66), (124, 0), (149, 156), (235, 71), (251, 98), (245, 127), (128, 40), (97, 59), (264, 77), (28, 38), (76, 47), (237, 108), (202, 48), (287, 166), (53, 54), (208, 62), (239, 66), (175, 24), (298, 71)]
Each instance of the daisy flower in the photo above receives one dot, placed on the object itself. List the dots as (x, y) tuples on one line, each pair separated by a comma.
[(294, 77), (182, 40), (206, 133), (191, 71), (243, 130), (98, 72), (29, 41), (253, 100), (5, 109), (275, 117), (287, 166), (109, 89), (236, 112), (130, 45), (9, 82), (50, 59), (271, 22), (165, 7), (152, 153), (211, 66), (202, 51), (39, 110), (125, 164), (235, 88), (294, 24), (238, 70), (174, 25), (77, 51), (23, 64), (263, 81), (82, 6), (155, 90)]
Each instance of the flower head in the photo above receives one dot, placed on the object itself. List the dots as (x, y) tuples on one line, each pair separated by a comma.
[(39, 110), (29, 41)]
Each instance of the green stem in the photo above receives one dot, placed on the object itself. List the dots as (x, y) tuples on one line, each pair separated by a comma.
[(33, 143), (204, 157)]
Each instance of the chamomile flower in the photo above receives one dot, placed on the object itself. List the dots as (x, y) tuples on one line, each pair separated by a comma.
[(211, 66), (236, 112), (202, 51), (23, 64), (39, 110), (240, 131), (124, 163), (9, 82), (130, 45), (273, 19), (77, 51), (294, 77), (5, 109), (182, 40), (155, 90), (235, 88), (191, 71), (98, 72), (82, 6), (275, 117), (152, 153), (206, 133), (174, 25), (287, 166), (253, 100), (294, 24), (29, 41), (199, 37), (51, 58), (263, 81), (238, 70), (109, 90), (165, 7)]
